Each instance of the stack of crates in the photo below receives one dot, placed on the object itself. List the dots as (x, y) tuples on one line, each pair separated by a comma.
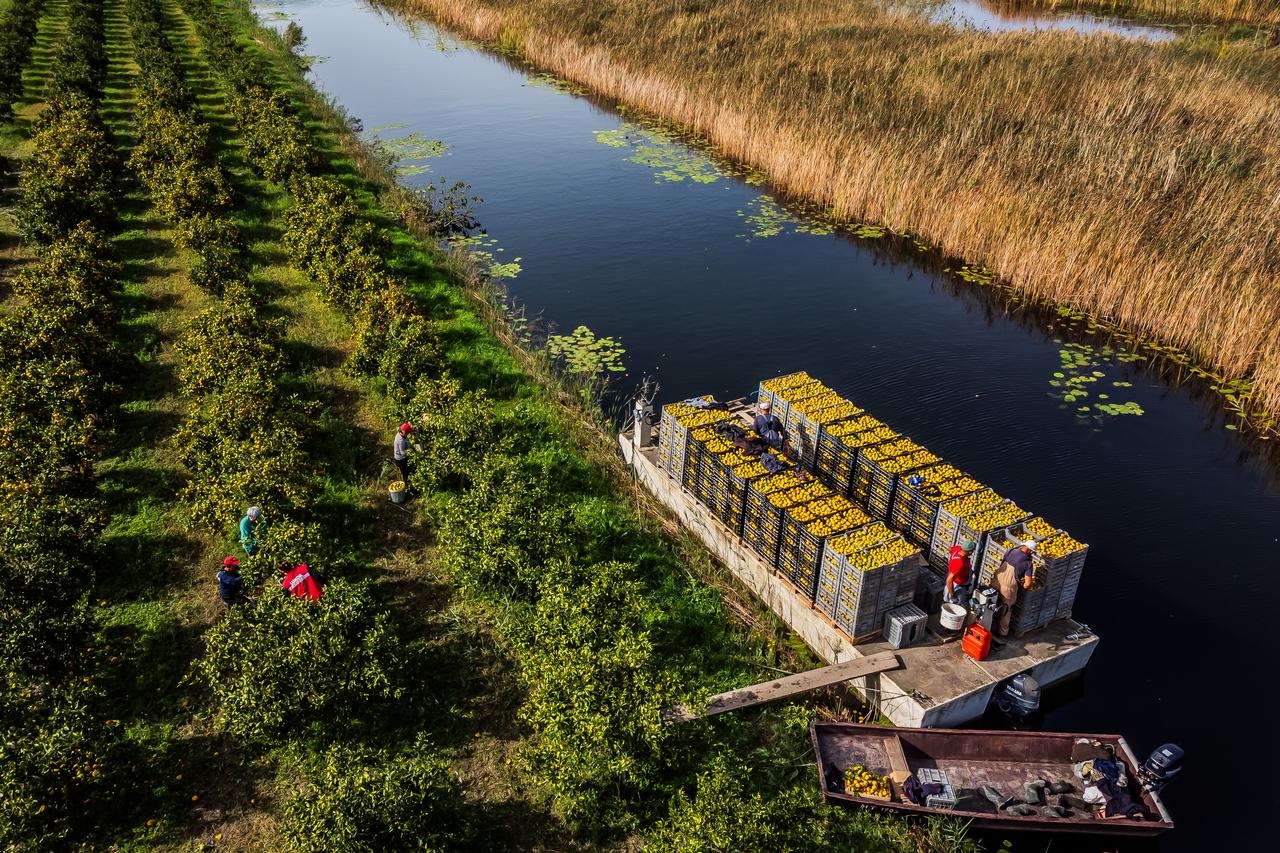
[(673, 434), (767, 497), (806, 419), (865, 574), (838, 446), (946, 528), (876, 473), (980, 524), (915, 505), (739, 472), (704, 447), (1059, 564), (780, 391), (805, 530)]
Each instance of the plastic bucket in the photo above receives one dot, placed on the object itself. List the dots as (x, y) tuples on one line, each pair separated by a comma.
[(952, 616), (398, 492)]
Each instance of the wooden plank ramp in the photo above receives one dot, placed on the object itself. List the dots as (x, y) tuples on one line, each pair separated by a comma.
[(782, 688)]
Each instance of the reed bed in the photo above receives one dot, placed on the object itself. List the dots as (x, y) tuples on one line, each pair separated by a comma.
[(1139, 182)]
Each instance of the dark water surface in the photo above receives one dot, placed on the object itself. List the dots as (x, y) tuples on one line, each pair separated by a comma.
[(1182, 515)]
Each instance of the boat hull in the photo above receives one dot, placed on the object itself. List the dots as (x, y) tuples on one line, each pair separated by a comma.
[(972, 758)]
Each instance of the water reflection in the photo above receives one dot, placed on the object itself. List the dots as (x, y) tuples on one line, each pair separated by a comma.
[(1011, 17)]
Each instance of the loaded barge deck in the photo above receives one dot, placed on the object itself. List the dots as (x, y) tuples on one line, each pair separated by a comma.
[(937, 686)]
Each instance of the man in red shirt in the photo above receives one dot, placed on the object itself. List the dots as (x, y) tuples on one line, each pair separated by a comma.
[(303, 583), (958, 569)]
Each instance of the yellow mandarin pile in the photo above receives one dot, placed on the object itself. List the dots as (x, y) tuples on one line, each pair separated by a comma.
[(1001, 515), (827, 515), (790, 497), (891, 552), (838, 412), (774, 483), (691, 417), (897, 457), (1060, 546), (862, 432), (966, 506), (861, 539), (783, 383), (1040, 528), (859, 780), (749, 470)]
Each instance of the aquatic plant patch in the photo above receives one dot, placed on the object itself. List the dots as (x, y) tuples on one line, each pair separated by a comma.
[(586, 355), (408, 152), (669, 159), (1086, 386)]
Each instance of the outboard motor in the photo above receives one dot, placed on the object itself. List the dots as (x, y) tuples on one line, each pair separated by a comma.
[(1161, 766), (1019, 697)]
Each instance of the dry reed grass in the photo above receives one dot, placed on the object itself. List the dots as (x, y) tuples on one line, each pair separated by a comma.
[(1139, 182)]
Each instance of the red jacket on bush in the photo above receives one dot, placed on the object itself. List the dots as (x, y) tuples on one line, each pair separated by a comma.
[(303, 583)]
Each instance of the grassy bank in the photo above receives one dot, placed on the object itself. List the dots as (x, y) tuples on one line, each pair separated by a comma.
[(1131, 180)]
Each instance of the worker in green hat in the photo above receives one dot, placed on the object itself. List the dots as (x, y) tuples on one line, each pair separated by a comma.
[(959, 568)]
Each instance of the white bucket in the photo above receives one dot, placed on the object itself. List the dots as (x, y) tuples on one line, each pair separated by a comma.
[(952, 616), (398, 495)]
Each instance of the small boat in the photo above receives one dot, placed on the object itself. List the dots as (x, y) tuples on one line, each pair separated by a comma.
[(1004, 760)]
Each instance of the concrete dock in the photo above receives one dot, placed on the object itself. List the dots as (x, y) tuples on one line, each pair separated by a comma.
[(938, 685)]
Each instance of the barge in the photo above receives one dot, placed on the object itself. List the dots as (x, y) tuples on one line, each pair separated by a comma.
[(938, 685)]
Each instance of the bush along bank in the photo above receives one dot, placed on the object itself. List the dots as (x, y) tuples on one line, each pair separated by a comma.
[(604, 624), (62, 763)]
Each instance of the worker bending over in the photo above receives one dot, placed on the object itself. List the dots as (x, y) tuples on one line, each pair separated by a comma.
[(303, 582), (231, 584), (1016, 571), (252, 527), (768, 427), (958, 570)]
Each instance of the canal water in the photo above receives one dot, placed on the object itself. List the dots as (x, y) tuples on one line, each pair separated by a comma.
[(711, 284)]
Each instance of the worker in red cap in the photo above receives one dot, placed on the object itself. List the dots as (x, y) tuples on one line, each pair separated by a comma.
[(231, 584), (400, 447), (303, 582)]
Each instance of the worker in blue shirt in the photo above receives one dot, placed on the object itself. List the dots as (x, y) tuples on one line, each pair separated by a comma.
[(231, 584), (251, 529), (1016, 571), (769, 427)]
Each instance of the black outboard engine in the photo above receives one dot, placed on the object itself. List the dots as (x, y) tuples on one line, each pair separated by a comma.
[(1161, 766), (1019, 696)]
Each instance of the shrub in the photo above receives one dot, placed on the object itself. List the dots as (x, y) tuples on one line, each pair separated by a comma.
[(70, 176), (275, 139), (80, 62), (288, 667), (17, 33), (725, 815), (54, 771), (357, 800), (498, 534), (595, 693)]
